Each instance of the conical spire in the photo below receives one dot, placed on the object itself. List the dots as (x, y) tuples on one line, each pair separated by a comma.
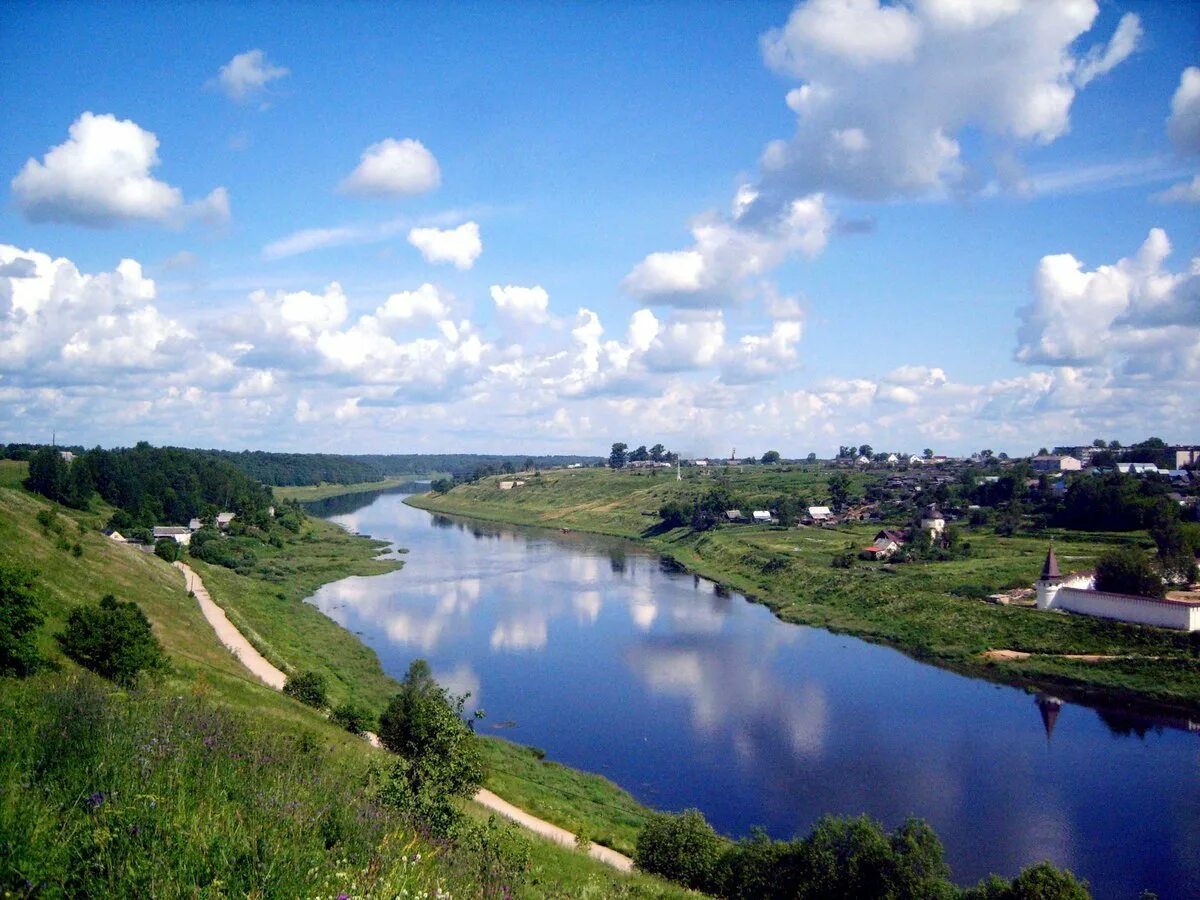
[(1049, 707), (1050, 568)]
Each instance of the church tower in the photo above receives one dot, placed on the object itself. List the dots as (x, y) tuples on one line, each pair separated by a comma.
[(1050, 582)]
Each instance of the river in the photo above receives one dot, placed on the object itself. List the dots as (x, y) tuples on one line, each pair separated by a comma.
[(613, 661)]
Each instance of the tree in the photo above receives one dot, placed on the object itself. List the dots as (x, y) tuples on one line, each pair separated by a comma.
[(167, 548), (19, 620), (812, 457), (1176, 549), (1100, 444), (48, 475), (865, 450), (616, 458), (442, 485), (682, 848), (113, 639), (839, 488), (440, 755), (1125, 570), (658, 452), (309, 688), (352, 717), (927, 453), (771, 456)]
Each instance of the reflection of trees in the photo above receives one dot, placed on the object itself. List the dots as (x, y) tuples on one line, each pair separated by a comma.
[(1125, 724), (349, 503), (617, 560), (437, 521)]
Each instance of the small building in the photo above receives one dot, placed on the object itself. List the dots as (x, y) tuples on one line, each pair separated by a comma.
[(701, 462), (733, 515), (891, 535), (1137, 468), (820, 514), (933, 521), (176, 533), (575, 465), (863, 461), (879, 551), (893, 459), (113, 535), (195, 525), (762, 516), (506, 485), (1078, 594), (915, 460), (223, 519), (1185, 455), (1054, 463), (67, 456)]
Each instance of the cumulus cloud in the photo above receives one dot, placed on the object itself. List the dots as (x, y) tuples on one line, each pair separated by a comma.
[(393, 168), (247, 75), (425, 304), (887, 89), (60, 325), (1133, 316), (727, 251), (100, 177), (522, 304), (1183, 127), (459, 246)]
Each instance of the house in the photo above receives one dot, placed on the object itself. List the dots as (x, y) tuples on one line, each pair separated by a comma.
[(879, 551), (1180, 475), (1137, 468), (762, 516), (733, 515), (863, 461), (891, 535), (1053, 463), (1188, 455), (67, 456), (1077, 593), (506, 485), (575, 466), (113, 535), (933, 521), (893, 459), (701, 462), (820, 514), (915, 460), (195, 525), (223, 519), (174, 532)]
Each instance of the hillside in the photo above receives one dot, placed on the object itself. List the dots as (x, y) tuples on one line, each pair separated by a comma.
[(213, 688), (935, 611)]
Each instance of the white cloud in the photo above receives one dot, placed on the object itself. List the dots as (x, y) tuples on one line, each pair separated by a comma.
[(425, 304), (522, 304), (393, 168), (1183, 192), (726, 253), (100, 176), (1183, 127), (59, 324), (888, 89), (247, 75), (1133, 316), (301, 316), (460, 246)]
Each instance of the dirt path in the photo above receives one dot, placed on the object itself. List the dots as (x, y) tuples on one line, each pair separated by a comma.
[(273, 677), (1082, 657)]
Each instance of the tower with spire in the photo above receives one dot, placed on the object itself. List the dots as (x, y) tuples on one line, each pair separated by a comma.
[(1050, 582)]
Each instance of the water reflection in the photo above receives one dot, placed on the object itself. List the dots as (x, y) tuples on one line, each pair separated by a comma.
[(619, 662)]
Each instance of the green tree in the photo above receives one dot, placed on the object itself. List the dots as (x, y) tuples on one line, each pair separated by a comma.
[(113, 639), (167, 548), (812, 457), (616, 458), (19, 620), (439, 754), (839, 488), (658, 452), (1125, 570), (48, 475), (771, 456), (641, 454), (352, 717), (865, 450), (309, 688), (927, 453), (682, 848)]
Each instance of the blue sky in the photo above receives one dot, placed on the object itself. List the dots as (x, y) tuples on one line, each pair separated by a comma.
[(945, 223)]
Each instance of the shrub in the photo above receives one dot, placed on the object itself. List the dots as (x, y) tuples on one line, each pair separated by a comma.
[(496, 853), (352, 717), (308, 688), (1038, 882), (113, 639), (167, 548), (19, 620), (842, 561), (1126, 570), (682, 848)]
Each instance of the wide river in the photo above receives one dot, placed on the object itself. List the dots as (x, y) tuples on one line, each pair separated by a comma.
[(687, 696)]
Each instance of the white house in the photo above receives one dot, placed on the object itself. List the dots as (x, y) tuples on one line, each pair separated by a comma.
[(915, 460), (506, 485), (1077, 594), (762, 515), (1054, 463), (863, 461), (893, 459), (1137, 468), (701, 462), (195, 525), (67, 455), (174, 532), (223, 519), (820, 513), (116, 536)]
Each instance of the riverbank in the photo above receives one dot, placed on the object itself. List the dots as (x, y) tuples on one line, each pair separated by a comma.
[(307, 493), (936, 612)]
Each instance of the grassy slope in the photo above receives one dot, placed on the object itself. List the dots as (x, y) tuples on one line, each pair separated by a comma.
[(310, 492), (926, 609), (201, 665)]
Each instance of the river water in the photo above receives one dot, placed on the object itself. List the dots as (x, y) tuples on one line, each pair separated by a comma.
[(613, 661)]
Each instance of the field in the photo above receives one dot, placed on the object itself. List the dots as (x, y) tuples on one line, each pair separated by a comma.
[(935, 611), (296, 634), (306, 493)]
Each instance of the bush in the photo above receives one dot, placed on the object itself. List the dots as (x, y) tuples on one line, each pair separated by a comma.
[(167, 548), (113, 639), (19, 621), (496, 852), (440, 755), (308, 688), (1039, 882), (682, 848), (842, 561), (1126, 570), (352, 717)]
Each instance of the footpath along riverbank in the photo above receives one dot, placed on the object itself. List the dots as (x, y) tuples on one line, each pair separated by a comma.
[(272, 676)]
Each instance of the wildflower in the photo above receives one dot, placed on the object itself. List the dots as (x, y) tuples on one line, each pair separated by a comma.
[(209, 742), (96, 800)]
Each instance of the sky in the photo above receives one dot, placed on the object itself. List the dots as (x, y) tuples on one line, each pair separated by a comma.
[(543, 227)]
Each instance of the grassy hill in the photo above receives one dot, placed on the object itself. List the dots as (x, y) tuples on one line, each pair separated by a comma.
[(123, 800), (935, 611)]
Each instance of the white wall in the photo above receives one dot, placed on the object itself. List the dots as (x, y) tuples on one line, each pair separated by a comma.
[(1129, 609)]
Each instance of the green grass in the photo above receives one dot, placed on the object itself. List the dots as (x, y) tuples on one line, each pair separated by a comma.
[(934, 611), (324, 490), (200, 667)]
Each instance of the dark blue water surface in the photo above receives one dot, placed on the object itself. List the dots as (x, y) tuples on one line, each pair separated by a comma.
[(614, 662)]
